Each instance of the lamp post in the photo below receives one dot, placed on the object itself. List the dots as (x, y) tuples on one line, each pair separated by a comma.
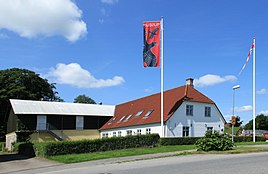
[(234, 88)]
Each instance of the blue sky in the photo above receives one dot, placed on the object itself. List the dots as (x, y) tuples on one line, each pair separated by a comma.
[(95, 47)]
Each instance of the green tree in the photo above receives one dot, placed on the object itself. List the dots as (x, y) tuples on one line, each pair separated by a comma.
[(84, 99), (261, 123), (238, 122), (18, 83)]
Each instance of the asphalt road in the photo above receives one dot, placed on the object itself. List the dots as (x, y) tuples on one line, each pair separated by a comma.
[(254, 163)]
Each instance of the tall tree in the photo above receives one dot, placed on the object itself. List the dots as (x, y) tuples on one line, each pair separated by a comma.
[(84, 99), (261, 123), (18, 83)]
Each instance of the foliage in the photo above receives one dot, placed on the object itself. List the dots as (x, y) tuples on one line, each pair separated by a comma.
[(84, 99), (178, 141), (213, 140), (25, 149), (23, 136), (249, 139), (2, 146), (18, 83), (238, 121), (88, 146), (261, 123)]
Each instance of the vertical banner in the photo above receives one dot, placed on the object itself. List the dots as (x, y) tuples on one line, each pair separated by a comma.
[(151, 47)]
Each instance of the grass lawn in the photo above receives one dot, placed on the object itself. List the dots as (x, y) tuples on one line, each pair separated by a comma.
[(243, 147), (228, 130), (73, 158)]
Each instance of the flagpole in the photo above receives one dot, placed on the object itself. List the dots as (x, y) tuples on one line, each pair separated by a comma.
[(254, 88), (162, 77)]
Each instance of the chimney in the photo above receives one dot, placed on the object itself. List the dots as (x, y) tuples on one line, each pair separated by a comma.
[(190, 82)]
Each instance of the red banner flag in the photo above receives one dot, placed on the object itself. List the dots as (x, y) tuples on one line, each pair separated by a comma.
[(151, 47)]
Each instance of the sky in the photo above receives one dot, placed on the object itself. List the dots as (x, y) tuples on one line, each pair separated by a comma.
[(94, 47)]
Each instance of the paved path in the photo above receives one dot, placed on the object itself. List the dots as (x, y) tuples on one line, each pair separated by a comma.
[(12, 162)]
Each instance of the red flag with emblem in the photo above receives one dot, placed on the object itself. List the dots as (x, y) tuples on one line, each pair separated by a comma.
[(151, 47)]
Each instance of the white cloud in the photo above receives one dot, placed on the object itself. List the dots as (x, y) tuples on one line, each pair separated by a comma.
[(211, 79), (73, 74), (262, 91), (110, 2), (243, 108), (32, 18), (264, 112)]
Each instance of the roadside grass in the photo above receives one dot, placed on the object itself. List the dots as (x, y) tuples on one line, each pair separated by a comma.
[(74, 158), (228, 130), (241, 147)]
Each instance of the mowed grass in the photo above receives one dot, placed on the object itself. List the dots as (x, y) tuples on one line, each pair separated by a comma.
[(241, 147), (74, 158)]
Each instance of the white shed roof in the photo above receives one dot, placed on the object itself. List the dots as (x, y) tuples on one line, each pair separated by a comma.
[(60, 108)]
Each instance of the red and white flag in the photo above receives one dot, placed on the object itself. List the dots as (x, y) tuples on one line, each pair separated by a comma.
[(249, 54), (151, 47)]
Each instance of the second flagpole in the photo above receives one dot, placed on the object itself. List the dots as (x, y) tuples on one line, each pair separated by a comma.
[(162, 78)]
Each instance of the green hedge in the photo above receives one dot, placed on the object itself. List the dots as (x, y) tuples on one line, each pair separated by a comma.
[(178, 141), (248, 139), (2, 146), (88, 146)]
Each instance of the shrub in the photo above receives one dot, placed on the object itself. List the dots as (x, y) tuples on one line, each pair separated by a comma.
[(2, 146), (249, 138), (214, 141), (178, 141), (88, 146)]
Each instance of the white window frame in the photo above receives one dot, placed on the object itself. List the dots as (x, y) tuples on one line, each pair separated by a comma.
[(129, 132), (148, 130), (189, 110), (185, 131), (207, 111), (138, 131), (119, 133)]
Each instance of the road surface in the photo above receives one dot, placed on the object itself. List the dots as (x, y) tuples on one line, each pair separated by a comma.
[(253, 163)]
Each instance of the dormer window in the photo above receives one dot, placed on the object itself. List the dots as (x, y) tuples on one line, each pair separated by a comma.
[(112, 120), (148, 113), (121, 119), (139, 113), (128, 118)]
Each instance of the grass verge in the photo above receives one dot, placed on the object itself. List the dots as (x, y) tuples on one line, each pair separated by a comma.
[(244, 147), (74, 158)]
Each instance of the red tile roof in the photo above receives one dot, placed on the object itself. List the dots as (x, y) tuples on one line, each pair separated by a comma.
[(172, 100)]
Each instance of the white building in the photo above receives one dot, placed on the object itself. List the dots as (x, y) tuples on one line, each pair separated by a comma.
[(187, 112)]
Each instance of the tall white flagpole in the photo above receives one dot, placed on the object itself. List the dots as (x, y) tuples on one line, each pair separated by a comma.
[(254, 88), (162, 77)]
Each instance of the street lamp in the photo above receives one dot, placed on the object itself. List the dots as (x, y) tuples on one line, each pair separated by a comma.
[(234, 88)]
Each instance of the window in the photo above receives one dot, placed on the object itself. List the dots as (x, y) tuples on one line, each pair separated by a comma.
[(148, 130), (112, 120), (185, 131), (105, 135), (114, 134), (139, 132), (128, 118), (207, 111), (121, 119), (139, 113), (189, 110), (129, 132), (119, 133), (148, 113), (209, 128)]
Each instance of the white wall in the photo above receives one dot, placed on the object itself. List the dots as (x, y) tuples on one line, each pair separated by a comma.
[(155, 128), (197, 123)]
